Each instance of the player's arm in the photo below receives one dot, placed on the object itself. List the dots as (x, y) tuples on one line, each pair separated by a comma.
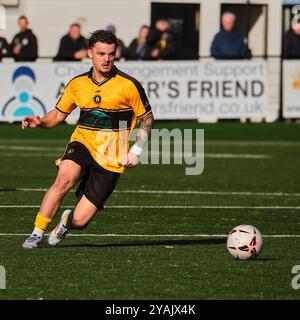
[(50, 120), (63, 108), (144, 133)]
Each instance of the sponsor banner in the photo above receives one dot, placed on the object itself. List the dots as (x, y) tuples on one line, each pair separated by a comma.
[(291, 89), (35, 88), (191, 90), (176, 90)]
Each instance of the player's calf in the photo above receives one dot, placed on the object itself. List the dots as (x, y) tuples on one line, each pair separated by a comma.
[(80, 222), (61, 230), (68, 221)]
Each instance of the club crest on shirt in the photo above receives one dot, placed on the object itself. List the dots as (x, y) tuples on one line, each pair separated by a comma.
[(97, 98)]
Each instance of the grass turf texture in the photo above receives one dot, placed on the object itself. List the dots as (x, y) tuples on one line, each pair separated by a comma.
[(160, 267)]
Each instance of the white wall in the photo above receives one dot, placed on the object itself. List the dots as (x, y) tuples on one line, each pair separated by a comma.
[(50, 19)]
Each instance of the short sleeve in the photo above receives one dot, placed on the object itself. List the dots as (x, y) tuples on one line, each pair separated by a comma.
[(138, 100), (66, 102)]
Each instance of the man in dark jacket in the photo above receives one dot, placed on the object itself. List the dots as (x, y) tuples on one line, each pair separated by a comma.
[(291, 43), (24, 44), (4, 48), (73, 46), (161, 42), (228, 43)]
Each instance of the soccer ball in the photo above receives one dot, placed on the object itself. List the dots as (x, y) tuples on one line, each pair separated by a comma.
[(244, 242)]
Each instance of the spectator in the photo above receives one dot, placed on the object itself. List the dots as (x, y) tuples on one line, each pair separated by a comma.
[(137, 49), (161, 42), (4, 48), (228, 43), (73, 46), (121, 49), (24, 44), (291, 42)]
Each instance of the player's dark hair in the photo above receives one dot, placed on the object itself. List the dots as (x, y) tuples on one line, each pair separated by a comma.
[(103, 36)]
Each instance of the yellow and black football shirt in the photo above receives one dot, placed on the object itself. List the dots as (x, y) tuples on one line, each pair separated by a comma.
[(109, 111)]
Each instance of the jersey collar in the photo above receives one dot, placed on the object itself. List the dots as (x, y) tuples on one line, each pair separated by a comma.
[(112, 74)]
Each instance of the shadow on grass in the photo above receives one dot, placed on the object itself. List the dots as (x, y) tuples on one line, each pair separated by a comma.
[(262, 259), (147, 243), (8, 190), (165, 243)]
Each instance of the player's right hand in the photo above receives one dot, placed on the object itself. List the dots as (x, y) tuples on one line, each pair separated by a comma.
[(32, 122)]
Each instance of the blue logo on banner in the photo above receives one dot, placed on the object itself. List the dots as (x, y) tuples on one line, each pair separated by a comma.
[(23, 103)]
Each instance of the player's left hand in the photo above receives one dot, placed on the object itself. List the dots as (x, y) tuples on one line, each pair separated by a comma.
[(130, 160)]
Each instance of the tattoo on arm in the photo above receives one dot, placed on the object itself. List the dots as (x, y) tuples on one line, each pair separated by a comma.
[(144, 133)]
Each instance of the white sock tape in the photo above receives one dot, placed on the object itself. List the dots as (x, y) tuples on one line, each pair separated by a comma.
[(136, 150)]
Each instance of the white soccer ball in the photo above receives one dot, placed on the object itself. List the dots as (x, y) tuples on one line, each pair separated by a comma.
[(244, 242)]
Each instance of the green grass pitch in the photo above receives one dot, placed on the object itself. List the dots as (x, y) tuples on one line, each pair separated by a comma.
[(150, 251)]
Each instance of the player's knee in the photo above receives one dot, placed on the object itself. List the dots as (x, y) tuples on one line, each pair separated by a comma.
[(63, 184)]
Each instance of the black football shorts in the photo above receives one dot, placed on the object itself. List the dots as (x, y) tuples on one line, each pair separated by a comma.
[(96, 183)]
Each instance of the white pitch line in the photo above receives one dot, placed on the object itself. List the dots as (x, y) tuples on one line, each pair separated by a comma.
[(191, 192), (114, 235), (239, 143), (31, 155), (253, 143), (30, 148), (206, 155), (212, 155), (171, 207), (235, 156), (224, 193), (152, 152), (35, 189)]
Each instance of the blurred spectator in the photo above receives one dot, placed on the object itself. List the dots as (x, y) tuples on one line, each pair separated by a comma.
[(121, 49), (4, 48), (228, 43), (24, 44), (291, 42), (73, 46), (137, 49), (161, 42)]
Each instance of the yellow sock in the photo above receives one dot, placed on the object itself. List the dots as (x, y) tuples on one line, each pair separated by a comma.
[(42, 222)]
